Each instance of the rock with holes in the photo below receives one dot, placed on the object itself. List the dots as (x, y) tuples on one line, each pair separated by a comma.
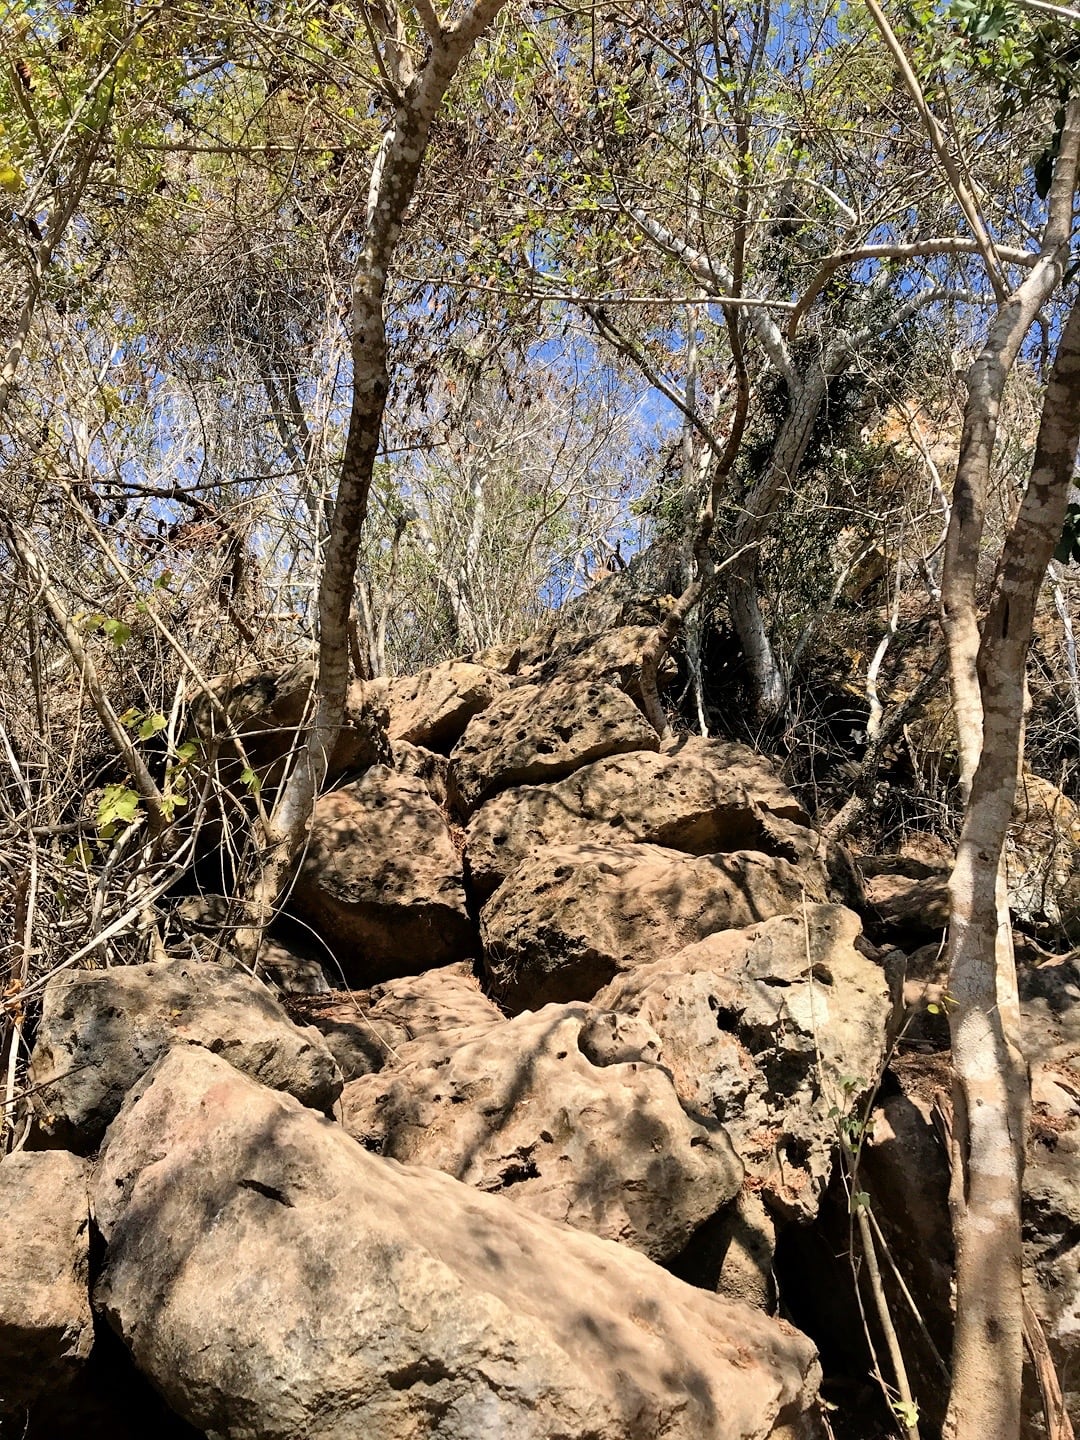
[(433, 708), (100, 1030), (424, 765), (381, 880), (46, 1328), (571, 917), (535, 734), (272, 1278), (775, 1031), (701, 796), (367, 1029), (568, 1112), (611, 655)]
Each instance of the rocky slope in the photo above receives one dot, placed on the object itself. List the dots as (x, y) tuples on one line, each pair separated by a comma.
[(530, 1123)]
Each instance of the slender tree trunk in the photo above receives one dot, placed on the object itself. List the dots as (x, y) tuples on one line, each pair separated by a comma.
[(990, 1074), (743, 591), (986, 382), (393, 184)]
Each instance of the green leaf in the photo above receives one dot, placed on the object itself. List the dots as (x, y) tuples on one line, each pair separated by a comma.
[(151, 725), (251, 780), (117, 631), (119, 806)]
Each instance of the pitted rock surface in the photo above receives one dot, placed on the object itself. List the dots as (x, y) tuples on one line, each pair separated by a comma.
[(565, 1111), (368, 1029), (538, 733), (776, 1031), (573, 916), (433, 708), (46, 1328), (701, 796), (381, 881)]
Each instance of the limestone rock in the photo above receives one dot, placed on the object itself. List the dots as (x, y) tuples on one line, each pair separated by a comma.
[(770, 1044), (611, 655), (424, 765), (208, 922), (433, 708), (701, 796), (100, 1030), (910, 898), (572, 916), (565, 1111), (367, 1029), (534, 734), (380, 882), (272, 1278), (46, 1328)]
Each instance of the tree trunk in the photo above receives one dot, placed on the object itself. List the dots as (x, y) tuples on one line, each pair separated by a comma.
[(990, 1075), (393, 183)]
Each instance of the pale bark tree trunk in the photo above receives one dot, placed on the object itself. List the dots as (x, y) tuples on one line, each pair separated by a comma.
[(987, 667), (991, 1078), (986, 382), (393, 184)]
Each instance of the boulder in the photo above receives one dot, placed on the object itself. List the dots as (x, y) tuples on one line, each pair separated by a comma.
[(565, 1111), (433, 708), (100, 1030), (272, 1278), (267, 709), (572, 916), (701, 796), (534, 734), (1042, 858), (775, 1031), (380, 881), (909, 898), (46, 1327), (367, 1029), (613, 655), (424, 765)]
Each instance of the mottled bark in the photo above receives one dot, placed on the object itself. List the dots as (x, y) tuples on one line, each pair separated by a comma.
[(990, 1074), (986, 382)]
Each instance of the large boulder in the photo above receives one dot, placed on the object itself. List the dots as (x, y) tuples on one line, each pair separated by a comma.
[(100, 1030), (367, 1029), (534, 734), (566, 1112), (381, 880), (611, 655), (775, 1031), (433, 708), (701, 796), (572, 916), (46, 1327), (273, 1279)]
